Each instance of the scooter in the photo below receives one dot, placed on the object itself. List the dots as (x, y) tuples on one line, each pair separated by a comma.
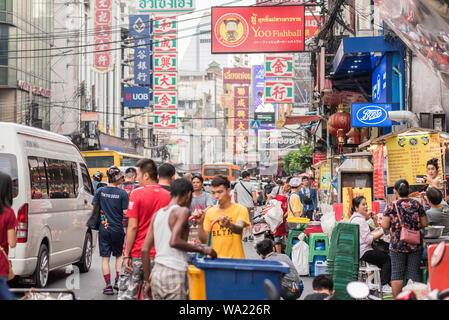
[(261, 229), (360, 290)]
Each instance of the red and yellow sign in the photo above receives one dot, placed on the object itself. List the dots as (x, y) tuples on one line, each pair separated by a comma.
[(258, 29)]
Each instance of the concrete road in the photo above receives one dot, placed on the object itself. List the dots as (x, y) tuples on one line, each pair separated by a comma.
[(89, 286)]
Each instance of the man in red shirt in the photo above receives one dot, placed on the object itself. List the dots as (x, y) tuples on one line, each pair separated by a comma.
[(144, 202)]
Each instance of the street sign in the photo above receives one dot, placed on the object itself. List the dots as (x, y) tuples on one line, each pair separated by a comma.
[(165, 62), (255, 125), (164, 119), (265, 117), (137, 97), (165, 100), (279, 92), (281, 67), (166, 43), (165, 25), (165, 81)]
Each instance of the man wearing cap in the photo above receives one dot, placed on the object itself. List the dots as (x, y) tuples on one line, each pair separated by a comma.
[(295, 208), (113, 203)]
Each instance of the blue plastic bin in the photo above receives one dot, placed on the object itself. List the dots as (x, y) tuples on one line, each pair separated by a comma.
[(239, 279)]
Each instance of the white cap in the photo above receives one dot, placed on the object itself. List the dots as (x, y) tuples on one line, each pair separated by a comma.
[(295, 182)]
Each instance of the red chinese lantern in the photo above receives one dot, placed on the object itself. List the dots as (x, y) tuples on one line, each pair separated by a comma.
[(331, 130), (340, 121)]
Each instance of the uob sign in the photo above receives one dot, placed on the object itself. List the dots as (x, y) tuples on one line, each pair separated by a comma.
[(137, 97), (370, 115)]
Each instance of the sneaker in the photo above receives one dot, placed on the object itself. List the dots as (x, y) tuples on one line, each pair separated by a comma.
[(245, 239), (386, 288), (250, 238), (108, 290)]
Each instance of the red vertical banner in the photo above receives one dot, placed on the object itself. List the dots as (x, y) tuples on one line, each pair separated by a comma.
[(103, 35), (378, 174)]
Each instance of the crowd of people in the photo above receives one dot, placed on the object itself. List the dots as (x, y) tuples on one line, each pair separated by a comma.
[(147, 213)]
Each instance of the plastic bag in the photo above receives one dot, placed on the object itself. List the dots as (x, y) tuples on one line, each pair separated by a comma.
[(420, 289), (300, 256), (274, 215), (328, 219)]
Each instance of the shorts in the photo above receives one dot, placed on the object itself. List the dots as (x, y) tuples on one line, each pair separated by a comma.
[(128, 283), (278, 239), (169, 284), (406, 262), (110, 242)]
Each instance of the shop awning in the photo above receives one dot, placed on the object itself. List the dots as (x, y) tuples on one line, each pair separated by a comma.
[(354, 54), (301, 119), (382, 139)]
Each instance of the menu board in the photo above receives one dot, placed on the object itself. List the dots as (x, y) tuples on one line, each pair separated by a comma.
[(407, 157)]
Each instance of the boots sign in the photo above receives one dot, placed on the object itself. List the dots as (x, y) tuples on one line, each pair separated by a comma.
[(137, 97)]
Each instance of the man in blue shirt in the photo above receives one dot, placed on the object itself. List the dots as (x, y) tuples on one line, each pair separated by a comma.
[(308, 198), (113, 204)]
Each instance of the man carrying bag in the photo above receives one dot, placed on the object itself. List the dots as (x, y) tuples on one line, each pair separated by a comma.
[(308, 198), (245, 194)]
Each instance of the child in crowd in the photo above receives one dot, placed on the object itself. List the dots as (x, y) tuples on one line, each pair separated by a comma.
[(323, 288)]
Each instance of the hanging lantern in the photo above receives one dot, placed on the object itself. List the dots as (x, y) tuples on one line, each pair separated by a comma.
[(331, 130), (340, 121)]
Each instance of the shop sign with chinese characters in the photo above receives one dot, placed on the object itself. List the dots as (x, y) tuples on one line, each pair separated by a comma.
[(165, 81), (279, 92), (102, 36), (164, 119), (164, 25), (165, 100), (165, 62), (281, 67), (166, 43)]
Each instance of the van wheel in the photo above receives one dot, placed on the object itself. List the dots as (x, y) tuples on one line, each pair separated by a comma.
[(86, 259), (40, 275)]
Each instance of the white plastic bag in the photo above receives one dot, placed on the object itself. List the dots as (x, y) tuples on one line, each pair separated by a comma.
[(327, 219), (274, 215), (300, 256)]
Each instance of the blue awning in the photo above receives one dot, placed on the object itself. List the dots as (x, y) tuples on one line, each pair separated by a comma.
[(354, 54)]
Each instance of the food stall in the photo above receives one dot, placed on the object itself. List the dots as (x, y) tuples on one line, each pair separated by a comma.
[(404, 154)]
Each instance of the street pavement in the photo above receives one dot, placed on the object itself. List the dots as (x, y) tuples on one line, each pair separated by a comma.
[(89, 286)]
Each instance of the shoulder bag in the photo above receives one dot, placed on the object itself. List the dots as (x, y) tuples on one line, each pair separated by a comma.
[(246, 189), (95, 218), (11, 274), (407, 235)]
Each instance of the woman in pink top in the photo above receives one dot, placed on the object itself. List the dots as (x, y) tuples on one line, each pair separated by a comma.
[(360, 215)]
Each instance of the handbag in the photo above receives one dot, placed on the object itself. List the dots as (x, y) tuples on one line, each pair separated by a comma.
[(307, 200), (407, 235), (11, 274), (95, 218)]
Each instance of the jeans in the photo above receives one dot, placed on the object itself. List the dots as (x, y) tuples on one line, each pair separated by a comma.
[(5, 294)]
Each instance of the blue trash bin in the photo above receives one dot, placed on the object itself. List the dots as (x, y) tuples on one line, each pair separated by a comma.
[(239, 279)]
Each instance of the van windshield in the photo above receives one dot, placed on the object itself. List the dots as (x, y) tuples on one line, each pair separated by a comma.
[(8, 165)]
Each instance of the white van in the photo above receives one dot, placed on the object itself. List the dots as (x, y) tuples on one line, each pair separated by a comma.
[(52, 199)]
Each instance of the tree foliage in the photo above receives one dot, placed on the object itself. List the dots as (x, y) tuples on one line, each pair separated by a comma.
[(299, 160)]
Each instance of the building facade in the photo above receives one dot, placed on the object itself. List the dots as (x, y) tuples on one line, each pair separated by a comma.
[(26, 33)]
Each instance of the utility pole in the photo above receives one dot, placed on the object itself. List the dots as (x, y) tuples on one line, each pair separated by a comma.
[(30, 111)]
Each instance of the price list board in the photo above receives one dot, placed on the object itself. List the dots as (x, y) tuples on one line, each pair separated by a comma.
[(407, 157)]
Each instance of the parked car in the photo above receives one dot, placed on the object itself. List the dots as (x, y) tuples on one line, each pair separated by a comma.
[(52, 200)]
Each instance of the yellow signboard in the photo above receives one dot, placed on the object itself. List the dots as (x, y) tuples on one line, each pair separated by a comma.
[(325, 176), (351, 193), (408, 155)]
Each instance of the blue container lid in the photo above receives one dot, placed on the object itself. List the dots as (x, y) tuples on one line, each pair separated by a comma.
[(241, 264)]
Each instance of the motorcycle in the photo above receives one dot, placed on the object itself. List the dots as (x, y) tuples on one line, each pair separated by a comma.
[(261, 229), (360, 290)]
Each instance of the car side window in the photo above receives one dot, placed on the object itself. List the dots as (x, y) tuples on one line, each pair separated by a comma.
[(38, 178), (87, 183)]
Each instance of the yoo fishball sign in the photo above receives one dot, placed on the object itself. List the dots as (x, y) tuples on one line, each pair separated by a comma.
[(258, 29)]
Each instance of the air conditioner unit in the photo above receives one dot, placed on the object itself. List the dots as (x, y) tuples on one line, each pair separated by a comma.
[(435, 121)]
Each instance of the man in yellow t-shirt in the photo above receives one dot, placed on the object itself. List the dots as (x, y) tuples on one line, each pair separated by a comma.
[(295, 208), (231, 218)]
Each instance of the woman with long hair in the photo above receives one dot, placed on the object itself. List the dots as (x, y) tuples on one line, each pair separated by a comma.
[(359, 215), (405, 254), (8, 236)]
